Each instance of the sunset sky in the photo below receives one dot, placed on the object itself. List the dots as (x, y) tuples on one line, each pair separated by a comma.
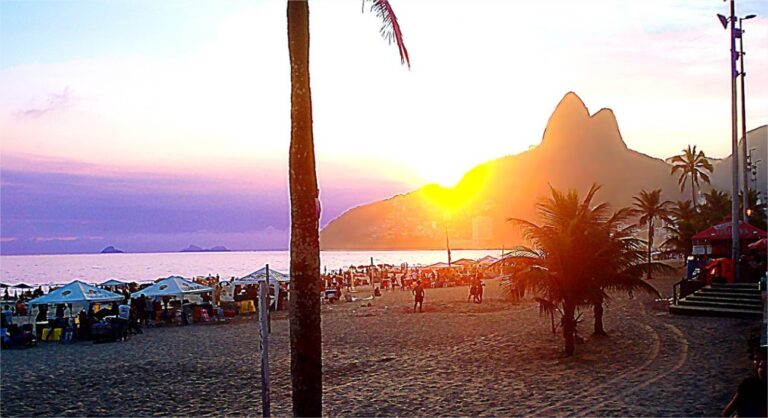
[(152, 125)]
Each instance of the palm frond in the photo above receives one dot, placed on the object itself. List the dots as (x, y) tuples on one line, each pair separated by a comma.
[(390, 28)]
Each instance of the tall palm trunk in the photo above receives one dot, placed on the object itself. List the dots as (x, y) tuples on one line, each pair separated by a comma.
[(693, 189), (650, 245), (306, 334), (598, 309), (569, 327)]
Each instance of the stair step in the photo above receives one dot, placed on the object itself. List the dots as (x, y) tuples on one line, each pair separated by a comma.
[(735, 285), (738, 291), (719, 304), (726, 296), (720, 312), (717, 292)]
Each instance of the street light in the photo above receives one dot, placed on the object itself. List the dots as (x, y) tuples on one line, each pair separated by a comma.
[(734, 140), (745, 168)]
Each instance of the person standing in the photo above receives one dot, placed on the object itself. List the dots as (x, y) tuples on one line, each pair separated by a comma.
[(123, 316), (418, 296)]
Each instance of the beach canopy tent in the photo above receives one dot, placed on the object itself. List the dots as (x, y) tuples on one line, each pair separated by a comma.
[(260, 275), (716, 240), (77, 292), (172, 286), (113, 283), (759, 245)]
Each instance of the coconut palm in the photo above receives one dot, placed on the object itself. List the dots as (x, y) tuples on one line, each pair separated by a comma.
[(650, 208), (560, 261), (305, 338), (621, 258), (686, 221), (717, 206), (691, 165)]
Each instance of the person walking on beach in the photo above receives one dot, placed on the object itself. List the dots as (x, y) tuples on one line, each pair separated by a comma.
[(418, 296)]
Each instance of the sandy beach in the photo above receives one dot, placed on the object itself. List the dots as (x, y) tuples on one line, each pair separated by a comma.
[(456, 358)]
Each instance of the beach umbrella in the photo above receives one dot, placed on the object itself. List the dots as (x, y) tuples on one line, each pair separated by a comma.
[(22, 286), (77, 292), (172, 286)]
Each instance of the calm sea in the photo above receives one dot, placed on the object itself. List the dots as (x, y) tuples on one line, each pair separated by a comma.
[(96, 268)]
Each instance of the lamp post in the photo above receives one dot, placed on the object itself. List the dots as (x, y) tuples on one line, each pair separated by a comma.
[(745, 167), (734, 143)]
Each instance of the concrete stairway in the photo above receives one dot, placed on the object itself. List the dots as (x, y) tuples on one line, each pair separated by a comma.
[(736, 300)]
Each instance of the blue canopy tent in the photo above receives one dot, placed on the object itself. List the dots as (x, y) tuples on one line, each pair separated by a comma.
[(77, 292), (172, 286), (112, 283)]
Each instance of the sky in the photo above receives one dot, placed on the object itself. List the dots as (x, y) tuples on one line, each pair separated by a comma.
[(152, 125)]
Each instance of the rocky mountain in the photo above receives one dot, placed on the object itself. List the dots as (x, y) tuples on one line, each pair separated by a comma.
[(196, 249), (111, 250), (757, 139), (577, 149)]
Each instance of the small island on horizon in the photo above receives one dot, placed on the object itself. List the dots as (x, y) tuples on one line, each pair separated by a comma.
[(195, 249), (112, 250)]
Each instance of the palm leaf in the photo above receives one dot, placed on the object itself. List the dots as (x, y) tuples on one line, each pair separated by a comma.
[(390, 28)]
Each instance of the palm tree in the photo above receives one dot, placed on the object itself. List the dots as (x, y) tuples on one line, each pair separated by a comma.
[(649, 207), (305, 339), (621, 264), (561, 260), (691, 165), (686, 222), (717, 206)]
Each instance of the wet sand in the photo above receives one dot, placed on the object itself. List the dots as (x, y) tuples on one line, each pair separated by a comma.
[(456, 358)]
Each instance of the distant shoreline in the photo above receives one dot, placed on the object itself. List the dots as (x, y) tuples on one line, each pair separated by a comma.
[(252, 251)]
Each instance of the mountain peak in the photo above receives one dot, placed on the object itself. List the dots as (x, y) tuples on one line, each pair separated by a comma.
[(572, 128)]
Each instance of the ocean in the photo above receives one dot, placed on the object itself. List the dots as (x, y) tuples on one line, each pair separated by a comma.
[(142, 267)]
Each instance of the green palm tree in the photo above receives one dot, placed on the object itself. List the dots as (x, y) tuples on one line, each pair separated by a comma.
[(686, 222), (562, 261), (620, 255), (692, 166), (649, 208), (306, 334), (717, 207)]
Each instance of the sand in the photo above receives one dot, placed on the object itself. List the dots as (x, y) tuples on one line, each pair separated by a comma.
[(456, 358)]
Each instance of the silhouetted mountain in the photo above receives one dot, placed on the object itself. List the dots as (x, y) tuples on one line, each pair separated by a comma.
[(196, 249), (576, 150), (111, 250), (757, 139)]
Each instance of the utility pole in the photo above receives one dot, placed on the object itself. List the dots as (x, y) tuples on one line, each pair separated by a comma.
[(734, 150)]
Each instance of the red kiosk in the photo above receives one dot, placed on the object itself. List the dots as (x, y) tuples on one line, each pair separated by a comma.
[(714, 243)]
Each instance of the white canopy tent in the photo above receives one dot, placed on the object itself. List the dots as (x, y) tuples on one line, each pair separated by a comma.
[(77, 292), (172, 286), (275, 277)]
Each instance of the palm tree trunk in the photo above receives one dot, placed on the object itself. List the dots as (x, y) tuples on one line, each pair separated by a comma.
[(598, 309), (569, 327), (650, 245), (306, 334), (693, 191)]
